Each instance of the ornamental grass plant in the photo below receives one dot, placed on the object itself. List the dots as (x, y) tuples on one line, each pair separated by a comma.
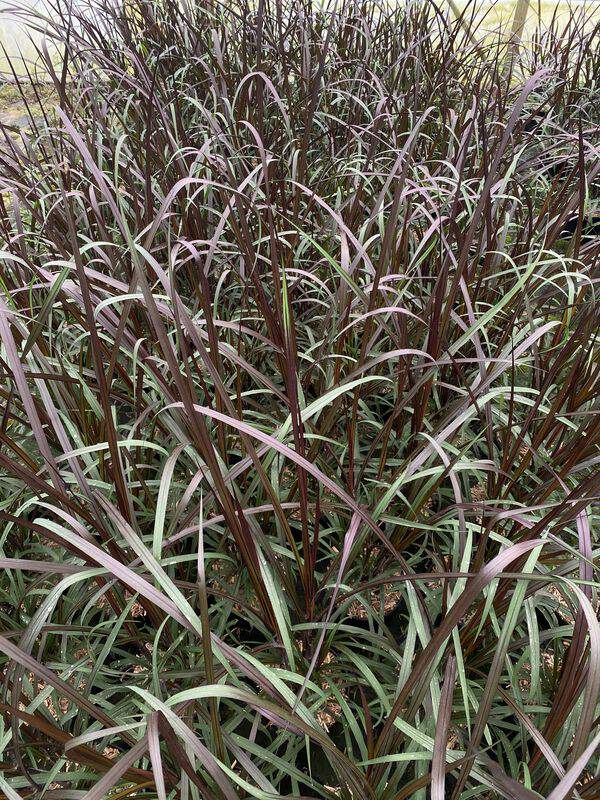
[(299, 409)]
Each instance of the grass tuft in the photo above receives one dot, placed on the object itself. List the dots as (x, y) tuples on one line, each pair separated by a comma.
[(299, 432)]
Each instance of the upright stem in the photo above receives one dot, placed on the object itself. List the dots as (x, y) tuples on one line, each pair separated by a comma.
[(519, 19)]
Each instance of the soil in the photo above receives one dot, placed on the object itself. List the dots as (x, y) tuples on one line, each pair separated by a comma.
[(14, 101)]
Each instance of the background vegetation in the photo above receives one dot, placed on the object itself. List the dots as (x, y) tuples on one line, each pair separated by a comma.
[(299, 437)]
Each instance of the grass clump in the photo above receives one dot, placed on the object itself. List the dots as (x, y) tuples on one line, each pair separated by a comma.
[(299, 435)]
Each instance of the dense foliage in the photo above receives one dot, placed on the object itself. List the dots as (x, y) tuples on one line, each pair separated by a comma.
[(299, 438)]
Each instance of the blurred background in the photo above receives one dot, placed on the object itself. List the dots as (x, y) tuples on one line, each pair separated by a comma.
[(18, 40), (23, 24)]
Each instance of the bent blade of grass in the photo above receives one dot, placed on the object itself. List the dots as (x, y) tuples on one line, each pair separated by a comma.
[(566, 784), (161, 503), (115, 773)]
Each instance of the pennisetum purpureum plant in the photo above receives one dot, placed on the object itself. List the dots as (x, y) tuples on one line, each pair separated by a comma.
[(299, 432)]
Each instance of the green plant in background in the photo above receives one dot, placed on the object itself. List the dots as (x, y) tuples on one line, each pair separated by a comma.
[(299, 432)]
